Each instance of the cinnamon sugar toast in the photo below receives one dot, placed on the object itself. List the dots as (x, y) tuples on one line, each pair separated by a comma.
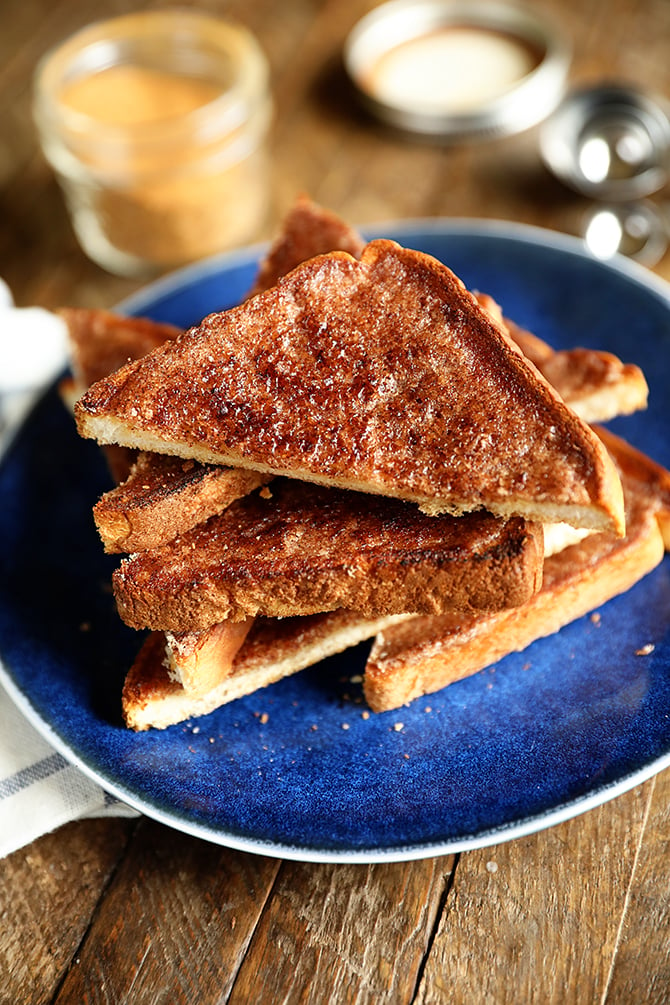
[(272, 650), (142, 513), (416, 655), (308, 549), (382, 375), (165, 496), (597, 385), (156, 698), (307, 230), (198, 661), (425, 654)]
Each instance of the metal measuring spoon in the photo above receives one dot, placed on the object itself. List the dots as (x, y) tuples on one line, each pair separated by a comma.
[(608, 142), (637, 230)]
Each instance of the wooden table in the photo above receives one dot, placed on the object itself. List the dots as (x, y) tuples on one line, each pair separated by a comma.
[(131, 911)]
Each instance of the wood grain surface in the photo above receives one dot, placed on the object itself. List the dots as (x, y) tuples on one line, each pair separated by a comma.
[(131, 911)]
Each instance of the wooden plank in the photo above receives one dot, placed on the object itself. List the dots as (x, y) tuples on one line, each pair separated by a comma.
[(173, 925), (641, 964), (337, 933), (536, 920), (48, 894)]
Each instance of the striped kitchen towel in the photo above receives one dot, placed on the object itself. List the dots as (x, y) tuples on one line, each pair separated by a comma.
[(39, 789)]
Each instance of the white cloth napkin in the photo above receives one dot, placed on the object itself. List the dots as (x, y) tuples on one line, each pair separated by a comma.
[(39, 789)]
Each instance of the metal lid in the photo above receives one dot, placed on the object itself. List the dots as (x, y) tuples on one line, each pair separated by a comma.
[(456, 68)]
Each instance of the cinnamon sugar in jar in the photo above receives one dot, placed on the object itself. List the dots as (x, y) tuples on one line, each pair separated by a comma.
[(155, 124)]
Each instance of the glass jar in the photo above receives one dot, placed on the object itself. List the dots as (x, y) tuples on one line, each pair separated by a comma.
[(155, 125)]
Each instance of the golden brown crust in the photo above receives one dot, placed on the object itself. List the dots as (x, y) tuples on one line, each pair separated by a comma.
[(199, 661), (274, 649), (307, 230), (166, 496), (382, 375), (423, 655), (101, 341), (309, 549)]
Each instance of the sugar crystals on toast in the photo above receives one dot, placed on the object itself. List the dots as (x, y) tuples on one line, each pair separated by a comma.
[(599, 386)]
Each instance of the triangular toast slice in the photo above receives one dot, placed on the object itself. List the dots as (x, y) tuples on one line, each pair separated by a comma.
[(597, 385), (423, 655), (166, 496), (406, 659), (142, 513), (273, 649), (298, 549), (307, 230), (382, 375)]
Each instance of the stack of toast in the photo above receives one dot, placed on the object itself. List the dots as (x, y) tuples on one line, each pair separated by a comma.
[(362, 449)]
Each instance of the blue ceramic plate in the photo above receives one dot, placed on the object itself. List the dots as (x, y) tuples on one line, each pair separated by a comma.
[(296, 770)]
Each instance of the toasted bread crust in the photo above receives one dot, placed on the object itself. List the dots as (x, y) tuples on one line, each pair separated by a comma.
[(307, 230), (166, 496), (102, 341), (274, 649), (308, 549), (423, 655), (382, 375)]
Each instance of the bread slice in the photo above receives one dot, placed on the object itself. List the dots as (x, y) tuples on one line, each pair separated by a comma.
[(382, 375), (273, 649), (199, 661), (424, 655), (166, 496), (596, 385), (406, 660), (308, 549), (307, 230), (142, 513)]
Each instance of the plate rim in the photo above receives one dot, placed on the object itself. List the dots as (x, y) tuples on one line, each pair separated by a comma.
[(524, 826), (449, 225), (364, 856)]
